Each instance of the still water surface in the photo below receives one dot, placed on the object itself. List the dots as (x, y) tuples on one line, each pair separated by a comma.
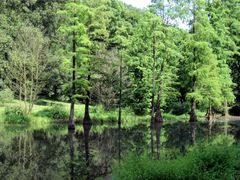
[(52, 152)]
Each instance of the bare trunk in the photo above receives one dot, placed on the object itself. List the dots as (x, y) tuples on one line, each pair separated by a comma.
[(193, 116), (226, 109), (87, 119), (193, 132), (158, 115), (210, 113)]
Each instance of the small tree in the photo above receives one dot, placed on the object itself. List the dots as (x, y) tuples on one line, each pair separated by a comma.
[(26, 65)]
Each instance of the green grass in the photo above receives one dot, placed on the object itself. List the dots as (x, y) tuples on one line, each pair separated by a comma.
[(206, 162), (98, 114)]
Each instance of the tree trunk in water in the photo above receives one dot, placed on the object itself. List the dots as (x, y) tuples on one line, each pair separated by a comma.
[(158, 115), (193, 116), (87, 119), (71, 124)]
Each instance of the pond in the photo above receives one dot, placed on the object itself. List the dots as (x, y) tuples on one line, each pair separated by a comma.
[(52, 152)]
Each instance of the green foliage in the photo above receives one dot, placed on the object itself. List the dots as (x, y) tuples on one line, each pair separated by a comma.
[(58, 112), (55, 112), (15, 115), (6, 96), (210, 162)]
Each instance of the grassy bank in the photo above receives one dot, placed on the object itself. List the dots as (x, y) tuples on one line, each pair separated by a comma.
[(46, 111), (205, 162)]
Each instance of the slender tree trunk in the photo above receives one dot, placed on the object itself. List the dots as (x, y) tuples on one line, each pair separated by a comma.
[(158, 115), (20, 94), (226, 114), (193, 132), (25, 88), (193, 116), (87, 119), (71, 124), (120, 94), (153, 77), (210, 113)]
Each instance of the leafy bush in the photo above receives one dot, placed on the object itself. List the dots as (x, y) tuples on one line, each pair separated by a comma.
[(56, 112), (211, 162), (6, 95), (15, 115)]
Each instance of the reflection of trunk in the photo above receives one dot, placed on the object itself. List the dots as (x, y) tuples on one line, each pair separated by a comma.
[(193, 116), (153, 78), (119, 142), (152, 129), (158, 115), (71, 124), (87, 119), (158, 127), (71, 146), (193, 132), (226, 127), (120, 94), (87, 129)]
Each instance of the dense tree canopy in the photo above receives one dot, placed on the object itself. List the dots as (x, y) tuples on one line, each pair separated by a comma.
[(106, 52)]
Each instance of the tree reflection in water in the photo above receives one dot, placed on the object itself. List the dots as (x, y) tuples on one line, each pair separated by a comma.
[(55, 153)]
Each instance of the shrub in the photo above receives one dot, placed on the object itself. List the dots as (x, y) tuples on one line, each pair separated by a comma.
[(15, 115), (6, 95), (57, 112)]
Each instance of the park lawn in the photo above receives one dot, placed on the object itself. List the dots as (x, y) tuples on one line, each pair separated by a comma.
[(98, 113)]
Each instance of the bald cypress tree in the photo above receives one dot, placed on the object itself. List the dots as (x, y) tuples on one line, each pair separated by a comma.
[(75, 15)]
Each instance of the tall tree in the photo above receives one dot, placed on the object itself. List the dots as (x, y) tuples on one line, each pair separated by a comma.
[(201, 66), (75, 16), (223, 46), (169, 56)]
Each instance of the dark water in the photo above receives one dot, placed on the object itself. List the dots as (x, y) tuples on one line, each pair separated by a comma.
[(89, 153)]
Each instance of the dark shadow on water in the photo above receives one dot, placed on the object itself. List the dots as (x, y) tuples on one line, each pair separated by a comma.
[(56, 153)]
